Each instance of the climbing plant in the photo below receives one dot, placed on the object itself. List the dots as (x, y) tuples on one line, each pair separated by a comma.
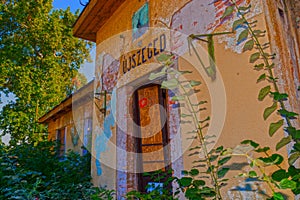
[(263, 61), (192, 184)]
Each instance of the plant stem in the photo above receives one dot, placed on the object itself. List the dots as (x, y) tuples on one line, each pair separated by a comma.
[(265, 177), (202, 142), (265, 59)]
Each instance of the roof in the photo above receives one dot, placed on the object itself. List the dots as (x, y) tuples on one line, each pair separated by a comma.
[(93, 17), (80, 96)]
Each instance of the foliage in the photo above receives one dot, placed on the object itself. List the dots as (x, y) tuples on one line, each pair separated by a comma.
[(156, 192), (280, 178), (31, 171), (39, 58), (262, 162)]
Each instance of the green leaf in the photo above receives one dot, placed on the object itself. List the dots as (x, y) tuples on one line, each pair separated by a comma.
[(248, 45), (254, 57), (163, 57), (287, 184), (222, 172), (286, 113), (252, 174), (294, 157), (261, 77), (264, 92), (259, 66), (185, 72), (199, 103), (244, 8), (279, 175), (252, 143), (184, 172), (264, 149), (170, 84), (243, 35), (156, 75), (293, 132), (198, 183), (194, 172), (237, 23), (224, 160), (213, 158), (194, 83), (279, 96), (185, 115), (177, 98), (228, 11), (283, 142), (219, 149), (275, 126), (278, 196), (185, 181), (269, 110), (259, 33), (273, 159)]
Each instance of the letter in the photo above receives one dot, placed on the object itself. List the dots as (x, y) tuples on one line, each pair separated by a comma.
[(133, 61), (154, 49), (129, 66), (163, 41), (139, 58), (149, 51), (143, 56), (124, 65)]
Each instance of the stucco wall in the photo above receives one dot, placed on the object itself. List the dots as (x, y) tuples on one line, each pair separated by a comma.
[(76, 119), (243, 119)]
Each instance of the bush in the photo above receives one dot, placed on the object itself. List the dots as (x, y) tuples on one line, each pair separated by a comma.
[(31, 171)]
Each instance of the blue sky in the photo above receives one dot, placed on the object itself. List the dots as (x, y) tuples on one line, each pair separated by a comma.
[(74, 4)]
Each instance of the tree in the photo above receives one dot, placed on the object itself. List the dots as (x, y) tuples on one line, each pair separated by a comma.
[(39, 58)]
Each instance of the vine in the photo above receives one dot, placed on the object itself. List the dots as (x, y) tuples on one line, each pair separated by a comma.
[(192, 184), (281, 178)]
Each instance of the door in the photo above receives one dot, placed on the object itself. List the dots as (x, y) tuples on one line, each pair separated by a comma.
[(153, 137)]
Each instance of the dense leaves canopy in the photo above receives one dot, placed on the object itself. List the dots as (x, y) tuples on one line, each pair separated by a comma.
[(39, 59)]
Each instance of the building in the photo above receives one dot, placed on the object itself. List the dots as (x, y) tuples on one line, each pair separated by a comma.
[(70, 122), (134, 115)]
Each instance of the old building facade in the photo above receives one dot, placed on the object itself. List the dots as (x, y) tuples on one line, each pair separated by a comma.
[(138, 126)]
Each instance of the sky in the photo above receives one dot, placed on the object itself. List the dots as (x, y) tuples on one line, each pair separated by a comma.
[(87, 68), (63, 4)]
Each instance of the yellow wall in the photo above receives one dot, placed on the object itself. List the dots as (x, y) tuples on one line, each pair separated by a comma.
[(243, 118)]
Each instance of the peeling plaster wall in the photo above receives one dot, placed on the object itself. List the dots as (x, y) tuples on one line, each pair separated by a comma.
[(74, 118), (244, 112), (281, 17)]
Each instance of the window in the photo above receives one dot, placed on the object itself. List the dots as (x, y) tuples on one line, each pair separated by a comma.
[(153, 134), (61, 141)]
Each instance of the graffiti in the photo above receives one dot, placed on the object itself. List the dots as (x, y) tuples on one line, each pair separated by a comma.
[(102, 138), (110, 72), (140, 21)]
